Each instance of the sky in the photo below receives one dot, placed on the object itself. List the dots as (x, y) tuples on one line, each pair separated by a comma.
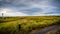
[(29, 7)]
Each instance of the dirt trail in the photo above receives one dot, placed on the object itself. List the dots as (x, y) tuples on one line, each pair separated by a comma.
[(43, 31)]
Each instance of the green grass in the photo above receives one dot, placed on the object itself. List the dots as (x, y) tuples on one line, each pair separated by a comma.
[(10, 24)]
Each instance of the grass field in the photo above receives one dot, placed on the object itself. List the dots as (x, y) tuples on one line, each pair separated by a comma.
[(26, 25)]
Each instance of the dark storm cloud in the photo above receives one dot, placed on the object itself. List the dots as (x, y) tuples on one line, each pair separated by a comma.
[(32, 7)]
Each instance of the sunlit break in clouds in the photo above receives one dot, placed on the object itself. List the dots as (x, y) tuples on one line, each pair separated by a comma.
[(29, 7)]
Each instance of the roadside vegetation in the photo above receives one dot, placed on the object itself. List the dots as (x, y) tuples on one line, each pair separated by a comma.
[(26, 25)]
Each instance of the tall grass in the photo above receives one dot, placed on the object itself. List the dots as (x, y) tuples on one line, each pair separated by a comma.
[(10, 25)]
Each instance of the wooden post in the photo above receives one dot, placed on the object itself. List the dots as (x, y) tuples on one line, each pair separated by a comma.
[(19, 29)]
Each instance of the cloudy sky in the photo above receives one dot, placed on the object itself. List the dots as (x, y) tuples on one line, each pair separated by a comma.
[(29, 7)]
